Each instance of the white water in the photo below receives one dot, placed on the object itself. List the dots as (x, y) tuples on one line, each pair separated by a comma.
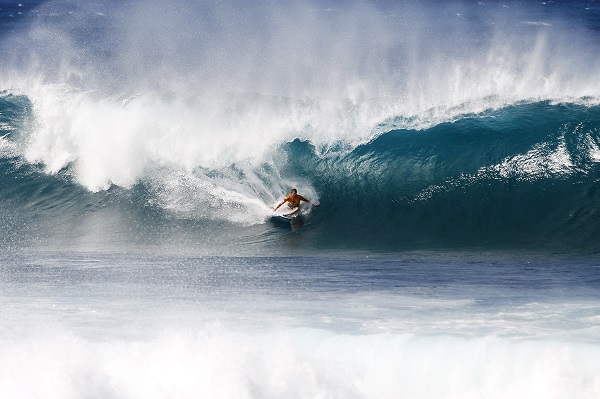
[(219, 362), (133, 339), (429, 326)]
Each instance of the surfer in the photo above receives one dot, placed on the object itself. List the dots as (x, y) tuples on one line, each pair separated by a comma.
[(293, 201)]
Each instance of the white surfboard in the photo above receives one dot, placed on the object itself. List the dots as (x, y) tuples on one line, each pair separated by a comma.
[(280, 215), (281, 218)]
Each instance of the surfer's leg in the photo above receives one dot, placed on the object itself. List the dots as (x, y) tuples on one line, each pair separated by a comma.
[(293, 210)]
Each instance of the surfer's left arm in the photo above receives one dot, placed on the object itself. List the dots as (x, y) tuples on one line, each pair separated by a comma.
[(281, 203), (307, 200)]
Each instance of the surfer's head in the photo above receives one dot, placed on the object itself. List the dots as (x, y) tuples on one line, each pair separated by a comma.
[(294, 191)]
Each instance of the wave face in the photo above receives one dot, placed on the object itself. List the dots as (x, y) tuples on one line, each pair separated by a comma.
[(522, 175), (138, 124)]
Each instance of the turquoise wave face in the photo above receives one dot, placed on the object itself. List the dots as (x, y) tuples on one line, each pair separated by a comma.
[(524, 176)]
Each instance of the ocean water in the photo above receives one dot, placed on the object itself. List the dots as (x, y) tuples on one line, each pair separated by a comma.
[(454, 148)]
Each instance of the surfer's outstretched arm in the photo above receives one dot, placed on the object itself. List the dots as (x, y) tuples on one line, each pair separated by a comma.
[(307, 200), (277, 207)]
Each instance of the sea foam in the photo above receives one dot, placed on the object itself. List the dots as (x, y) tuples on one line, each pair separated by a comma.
[(295, 363)]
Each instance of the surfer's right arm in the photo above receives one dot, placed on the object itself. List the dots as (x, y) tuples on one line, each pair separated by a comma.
[(281, 203)]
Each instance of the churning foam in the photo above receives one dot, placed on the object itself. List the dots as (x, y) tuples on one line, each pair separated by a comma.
[(295, 363)]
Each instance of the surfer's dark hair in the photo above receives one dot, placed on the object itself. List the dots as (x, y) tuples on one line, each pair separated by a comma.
[(293, 189)]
